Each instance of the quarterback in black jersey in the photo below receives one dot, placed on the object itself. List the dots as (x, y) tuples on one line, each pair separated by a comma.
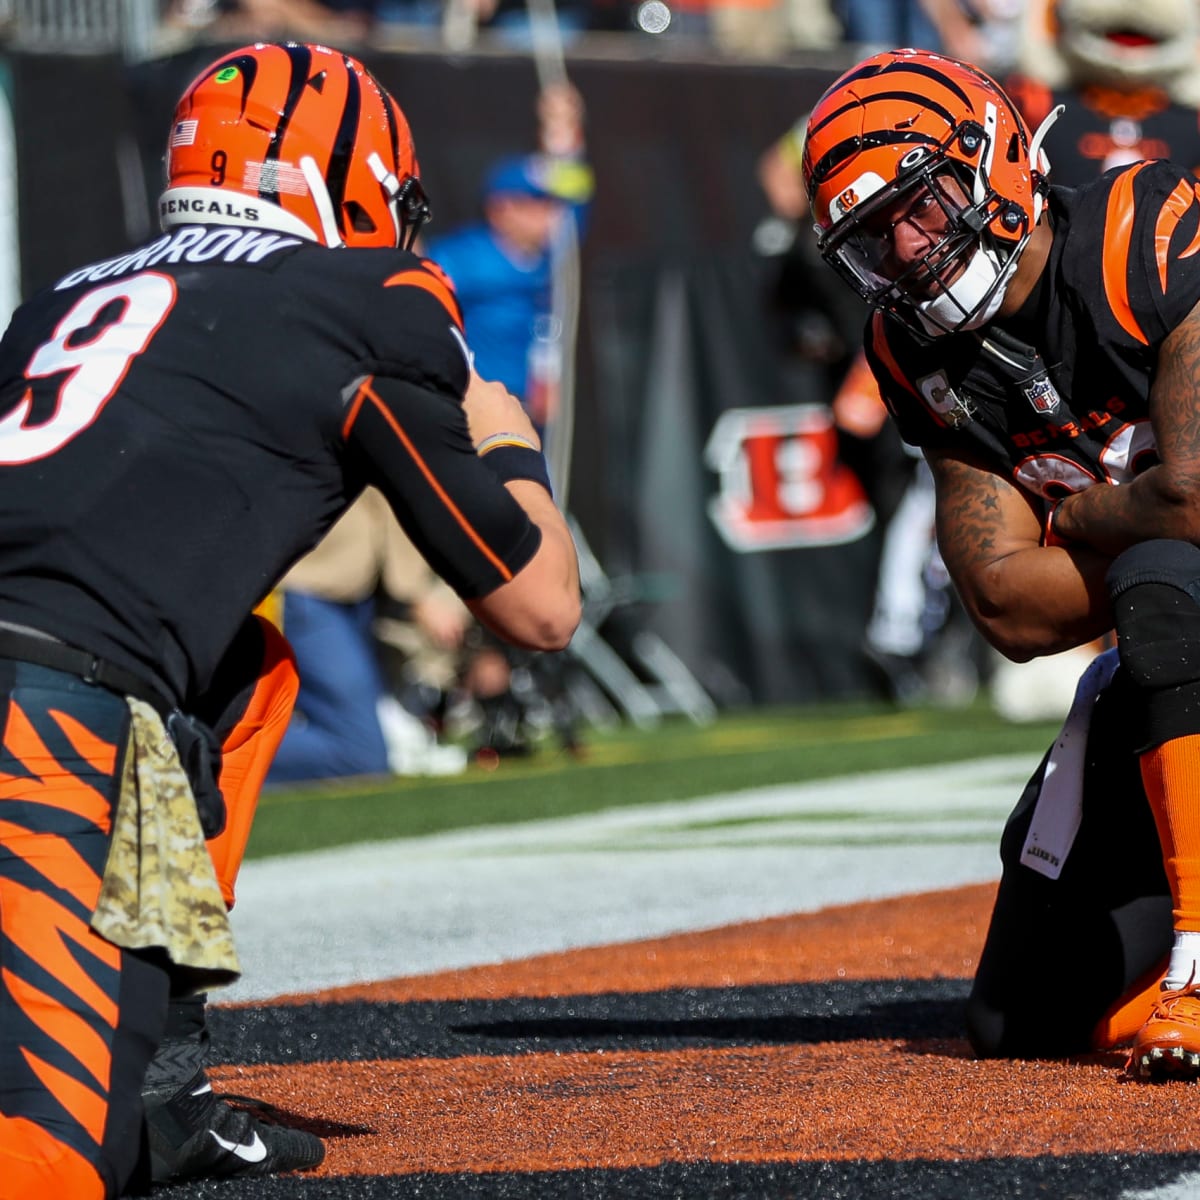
[(178, 424), (1042, 346)]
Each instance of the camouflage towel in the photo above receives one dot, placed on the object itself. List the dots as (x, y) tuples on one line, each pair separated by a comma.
[(159, 888)]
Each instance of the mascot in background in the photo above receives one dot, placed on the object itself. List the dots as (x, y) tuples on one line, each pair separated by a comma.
[(1128, 75)]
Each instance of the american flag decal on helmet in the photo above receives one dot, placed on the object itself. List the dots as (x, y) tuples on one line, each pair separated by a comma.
[(184, 133)]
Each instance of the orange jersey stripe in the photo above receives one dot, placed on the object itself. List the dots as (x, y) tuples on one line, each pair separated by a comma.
[(1118, 232), (435, 284), (879, 344), (1169, 216), (89, 1109), (1194, 244), (365, 393)]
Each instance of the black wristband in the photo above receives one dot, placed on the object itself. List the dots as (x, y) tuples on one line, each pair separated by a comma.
[(518, 462)]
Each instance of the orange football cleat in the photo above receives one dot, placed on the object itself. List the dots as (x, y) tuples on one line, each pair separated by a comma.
[(1168, 1045)]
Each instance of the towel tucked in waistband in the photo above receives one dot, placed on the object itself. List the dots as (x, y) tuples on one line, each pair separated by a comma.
[(159, 888), (1059, 809)]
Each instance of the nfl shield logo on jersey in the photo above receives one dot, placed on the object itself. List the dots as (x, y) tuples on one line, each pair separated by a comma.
[(1042, 395)]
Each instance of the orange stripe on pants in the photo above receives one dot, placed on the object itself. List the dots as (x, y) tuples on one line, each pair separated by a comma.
[(39, 1167), (247, 752)]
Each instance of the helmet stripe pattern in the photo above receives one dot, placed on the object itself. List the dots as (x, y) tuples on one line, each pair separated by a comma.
[(301, 60), (389, 116), (344, 142), (874, 127), (248, 71)]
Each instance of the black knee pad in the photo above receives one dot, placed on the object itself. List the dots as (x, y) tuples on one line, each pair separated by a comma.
[(1155, 593)]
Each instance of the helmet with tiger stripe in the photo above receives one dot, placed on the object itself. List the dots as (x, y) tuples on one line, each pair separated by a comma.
[(912, 132), (297, 138)]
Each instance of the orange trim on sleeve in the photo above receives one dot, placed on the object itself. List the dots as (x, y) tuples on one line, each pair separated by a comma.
[(1118, 232), (432, 279), (1172, 212), (879, 344), (1194, 245), (365, 393)]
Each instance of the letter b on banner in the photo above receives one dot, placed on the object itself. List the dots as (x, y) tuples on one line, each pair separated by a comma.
[(782, 484)]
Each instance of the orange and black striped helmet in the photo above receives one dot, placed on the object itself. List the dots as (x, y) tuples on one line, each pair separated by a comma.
[(901, 121), (297, 138)]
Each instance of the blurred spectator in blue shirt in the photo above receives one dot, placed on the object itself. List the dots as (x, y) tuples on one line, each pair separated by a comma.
[(502, 267), (503, 271)]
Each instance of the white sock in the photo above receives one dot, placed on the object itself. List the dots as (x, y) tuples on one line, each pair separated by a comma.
[(1185, 961)]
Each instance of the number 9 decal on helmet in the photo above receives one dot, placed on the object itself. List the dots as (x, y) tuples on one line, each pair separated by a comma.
[(296, 138), (925, 186)]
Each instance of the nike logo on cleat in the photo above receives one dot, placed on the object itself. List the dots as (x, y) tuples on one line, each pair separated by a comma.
[(252, 1152)]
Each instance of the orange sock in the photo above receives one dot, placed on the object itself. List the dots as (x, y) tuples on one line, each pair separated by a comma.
[(1171, 776)]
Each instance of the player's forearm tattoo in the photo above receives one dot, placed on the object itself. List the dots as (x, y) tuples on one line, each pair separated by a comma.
[(969, 513)]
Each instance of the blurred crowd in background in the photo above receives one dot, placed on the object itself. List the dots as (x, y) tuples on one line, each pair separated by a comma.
[(986, 31), (395, 677), (981, 30)]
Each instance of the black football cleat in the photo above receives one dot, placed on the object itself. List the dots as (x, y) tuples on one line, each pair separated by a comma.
[(196, 1133)]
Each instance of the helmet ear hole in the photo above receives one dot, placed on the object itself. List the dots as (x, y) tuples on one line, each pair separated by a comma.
[(1014, 149), (358, 217)]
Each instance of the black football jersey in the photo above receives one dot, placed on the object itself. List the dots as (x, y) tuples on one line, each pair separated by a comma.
[(181, 423), (1056, 397)]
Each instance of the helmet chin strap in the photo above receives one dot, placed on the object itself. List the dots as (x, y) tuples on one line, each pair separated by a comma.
[(980, 287), (390, 184), (1037, 156)]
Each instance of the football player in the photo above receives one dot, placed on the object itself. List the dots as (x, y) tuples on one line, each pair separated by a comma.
[(1042, 346), (178, 424)]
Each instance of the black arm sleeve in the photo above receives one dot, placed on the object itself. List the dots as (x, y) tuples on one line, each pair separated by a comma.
[(413, 444)]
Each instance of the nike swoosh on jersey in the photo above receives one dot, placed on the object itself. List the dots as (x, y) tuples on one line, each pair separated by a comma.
[(252, 1152)]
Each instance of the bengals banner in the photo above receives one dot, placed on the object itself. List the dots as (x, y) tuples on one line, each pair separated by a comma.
[(735, 491)]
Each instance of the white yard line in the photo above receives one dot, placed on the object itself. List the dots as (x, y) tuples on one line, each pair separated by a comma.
[(487, 895)]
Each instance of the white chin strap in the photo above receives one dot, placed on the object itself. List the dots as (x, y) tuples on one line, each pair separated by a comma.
[(954, 309)]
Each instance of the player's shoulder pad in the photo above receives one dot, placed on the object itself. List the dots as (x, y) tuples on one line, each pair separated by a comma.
[(412, 319), (426, 276)]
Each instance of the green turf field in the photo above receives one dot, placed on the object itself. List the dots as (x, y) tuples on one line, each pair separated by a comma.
[(676, 761)]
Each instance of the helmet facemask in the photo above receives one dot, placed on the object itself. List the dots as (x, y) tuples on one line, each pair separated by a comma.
[(974, 237)]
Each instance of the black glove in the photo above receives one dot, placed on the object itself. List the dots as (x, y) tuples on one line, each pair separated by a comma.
[(200, 754)]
